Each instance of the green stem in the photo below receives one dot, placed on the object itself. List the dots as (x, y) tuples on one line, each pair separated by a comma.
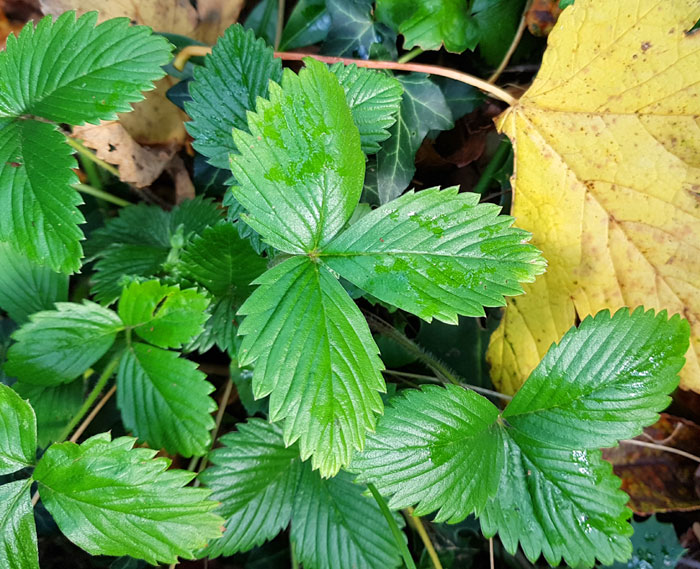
[(293, 555), (101, 194), (496, 161), (280, 23), (406, 57), (91, 172), (94, 394), (398, 535), (76, 145)]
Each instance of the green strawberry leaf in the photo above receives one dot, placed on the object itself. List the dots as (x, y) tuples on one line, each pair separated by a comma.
[(18, 545), (301, 167), (436, 254), (374, 99), (26, 286), (72, 71), (56, 346), (233, 77), (112, 499), (163, 315), (17, 432), (423, 108), (429, 24), (221, 327), (255, 477), (438, 448), (315, 356), (165, 400), (628, 363)]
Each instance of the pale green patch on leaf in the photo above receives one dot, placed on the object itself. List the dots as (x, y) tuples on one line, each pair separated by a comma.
[(255, 477), (112, 499), (163, 315), (164, 399), (17, 432), (315, 356), (301, 167), (234, 75), (72, 71), (436, 254), (26, 286), (429, 24), (437, 448), (56, 346), (423, 108), (18, 545)]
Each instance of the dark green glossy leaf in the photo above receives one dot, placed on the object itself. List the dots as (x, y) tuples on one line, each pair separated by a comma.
[(112, 499), (655, 545), (301, 168), (17, 432), (262, 20), (436, 254), (18, 545), (496, 22), (56, 346), (308, 24), (353, 31)]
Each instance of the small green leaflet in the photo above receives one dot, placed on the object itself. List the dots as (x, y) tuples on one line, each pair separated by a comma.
[(165, 400), (263, 485), (301, 168), (315, 356), (17, 432), (374, 99), (235, 74), (112, 499), (26, 286), (163, 315), (423, 108), (82, 73), (556, 497), (436, 254), (18, 545), (429, 24), (56, 346)]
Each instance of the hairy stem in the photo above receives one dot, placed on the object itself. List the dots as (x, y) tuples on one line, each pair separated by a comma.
[(494, 164), (101, 194), (417, 524), (396, 532), (492, 90)]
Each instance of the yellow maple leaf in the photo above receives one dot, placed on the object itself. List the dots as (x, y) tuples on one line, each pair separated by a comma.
[(607, 176)]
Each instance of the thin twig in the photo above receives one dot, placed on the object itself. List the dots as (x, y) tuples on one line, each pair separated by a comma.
[(492, 561), (496, 92), (481, 390), (661, 447), (417, 524), (280, 23), (513, 46), (217, 423), (96, 409)]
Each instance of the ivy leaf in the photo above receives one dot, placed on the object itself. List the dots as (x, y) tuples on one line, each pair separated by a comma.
[(85, 72), (436, 254), (54, 406), (314, 354), (560, 503), (56, 346), (26, 286), (628, 363), (38, 208), (355, 533), (234, 75), (144, 241), (165, 400), (18, 545), (308, 24), (255, 478), (429, 24), (423, 108), (17, 432), (353, 31), (438, 448), (111, 499), (301, 168), (163, 315), (374, 99)]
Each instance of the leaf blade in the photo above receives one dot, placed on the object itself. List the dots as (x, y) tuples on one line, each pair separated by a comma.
[(18, 545), (18, 432)]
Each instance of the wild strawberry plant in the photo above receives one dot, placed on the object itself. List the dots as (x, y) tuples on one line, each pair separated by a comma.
[(268, 283)]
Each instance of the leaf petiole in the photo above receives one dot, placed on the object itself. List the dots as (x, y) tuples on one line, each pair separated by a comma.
[(398, 535)]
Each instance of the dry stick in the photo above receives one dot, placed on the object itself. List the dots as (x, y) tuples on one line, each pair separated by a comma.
[(661, 447), (513, 46), (417, 524), (86, 423), (492, 562), (496, 92)]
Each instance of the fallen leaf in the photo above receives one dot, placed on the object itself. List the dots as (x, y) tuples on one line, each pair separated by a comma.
[(607, 176), (138, 165), (541, 16), (184, 188), (214, 17), (656, 480)]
